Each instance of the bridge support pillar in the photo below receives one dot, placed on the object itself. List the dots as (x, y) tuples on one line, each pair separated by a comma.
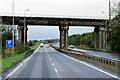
[(96, 36), (104, 39), (64, 36), (100, 38), (20, 34), (25, 36)]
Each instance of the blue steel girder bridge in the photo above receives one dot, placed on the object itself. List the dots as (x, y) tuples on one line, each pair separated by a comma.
[(63, 23)]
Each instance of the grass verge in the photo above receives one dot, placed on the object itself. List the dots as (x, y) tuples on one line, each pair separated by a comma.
[(8, 62), (92, 49)]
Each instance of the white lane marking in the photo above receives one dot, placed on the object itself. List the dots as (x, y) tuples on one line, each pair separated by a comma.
[(52, 64), (55, 70), (54, 67), (21, 64), (91, 66)]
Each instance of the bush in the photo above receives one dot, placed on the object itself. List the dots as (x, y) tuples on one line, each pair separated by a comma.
[(19, 48), (30, 43), (6, 36), (115, 40)]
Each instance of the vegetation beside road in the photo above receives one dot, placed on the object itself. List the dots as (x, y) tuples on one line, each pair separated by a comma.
[(93, 49), (86, 40), (7, 62), (8, 57)]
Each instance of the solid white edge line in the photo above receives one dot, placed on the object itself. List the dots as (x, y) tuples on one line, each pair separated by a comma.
[(55, 70), (91, 66), (21, 64)]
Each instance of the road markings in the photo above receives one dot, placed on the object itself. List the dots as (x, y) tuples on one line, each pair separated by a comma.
[(55, 70), (21, 64), (91, 66), (52, 64)]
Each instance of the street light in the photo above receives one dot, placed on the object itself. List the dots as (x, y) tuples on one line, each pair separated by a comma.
[(24, 17), (25, 35), (106, 28), (13, 26)]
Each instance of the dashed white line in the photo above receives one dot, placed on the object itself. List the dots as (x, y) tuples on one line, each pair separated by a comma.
[(54, 67), (52, 64)]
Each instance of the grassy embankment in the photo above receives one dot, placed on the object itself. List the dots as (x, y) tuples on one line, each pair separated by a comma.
[(7, 62), (92, 49)]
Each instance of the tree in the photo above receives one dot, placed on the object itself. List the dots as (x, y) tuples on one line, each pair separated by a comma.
[(6, 36), (2, 28), (115, 40)]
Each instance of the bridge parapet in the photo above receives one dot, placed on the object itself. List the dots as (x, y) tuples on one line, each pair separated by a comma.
[(53, 21)]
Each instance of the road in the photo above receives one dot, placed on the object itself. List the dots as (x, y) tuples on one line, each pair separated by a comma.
[(49, 63), (96, 53), (102, 54)]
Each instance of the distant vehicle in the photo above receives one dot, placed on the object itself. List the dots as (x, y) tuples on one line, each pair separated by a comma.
[(71, 46), (41, 45)]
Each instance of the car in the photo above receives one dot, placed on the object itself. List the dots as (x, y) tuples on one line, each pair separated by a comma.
[(71, 46), (41, 44)]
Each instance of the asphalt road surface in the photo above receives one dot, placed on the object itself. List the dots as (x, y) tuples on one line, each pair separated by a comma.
[(102, 54), (49, 63), (96, 53)]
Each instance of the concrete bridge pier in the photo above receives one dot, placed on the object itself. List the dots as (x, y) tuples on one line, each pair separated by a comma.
[(64, 36), (96, 36), (104, 38), (100, 39), (61, 37), (25, 36), (20, 34)]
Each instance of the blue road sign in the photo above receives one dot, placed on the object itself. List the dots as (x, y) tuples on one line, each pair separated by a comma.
[(9, 43)]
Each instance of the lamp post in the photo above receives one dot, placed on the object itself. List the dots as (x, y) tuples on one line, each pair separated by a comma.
[(109, 10), (24, 17), (106, 28), (25, 30), (13, 26)]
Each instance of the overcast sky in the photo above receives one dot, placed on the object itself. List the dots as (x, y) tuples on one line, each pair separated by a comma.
[(70, 8), (59, 8)]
